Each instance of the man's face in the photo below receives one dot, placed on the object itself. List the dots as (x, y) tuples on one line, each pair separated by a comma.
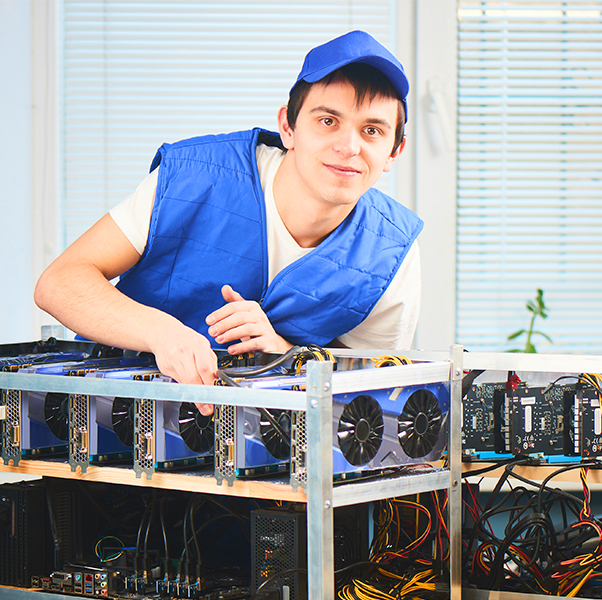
[(339, 148)]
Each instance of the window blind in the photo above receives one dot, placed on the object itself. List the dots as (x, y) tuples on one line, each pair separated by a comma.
[(529, 172), (142, 72)]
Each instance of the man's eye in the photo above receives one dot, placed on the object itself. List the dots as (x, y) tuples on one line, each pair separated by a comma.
[(372, 131), (328, 121)]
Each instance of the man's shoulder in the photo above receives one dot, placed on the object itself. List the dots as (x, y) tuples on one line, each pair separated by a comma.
[(381, 208), (212, 146)]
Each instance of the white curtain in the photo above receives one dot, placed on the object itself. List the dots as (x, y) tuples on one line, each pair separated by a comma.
[(530, 172)]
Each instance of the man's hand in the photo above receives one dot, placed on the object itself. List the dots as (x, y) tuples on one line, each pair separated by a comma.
[(244, 320), (76, 289), (187, 357)]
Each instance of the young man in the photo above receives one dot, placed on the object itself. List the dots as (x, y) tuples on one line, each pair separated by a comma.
[(256, 241)]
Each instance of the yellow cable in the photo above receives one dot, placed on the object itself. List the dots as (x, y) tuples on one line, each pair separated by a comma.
[(388, 360)]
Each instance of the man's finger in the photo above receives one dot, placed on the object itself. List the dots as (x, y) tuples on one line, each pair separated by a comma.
[(230, 295), (204, 409)]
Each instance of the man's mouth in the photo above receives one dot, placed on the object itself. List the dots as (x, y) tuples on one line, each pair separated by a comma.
[(342, 170)]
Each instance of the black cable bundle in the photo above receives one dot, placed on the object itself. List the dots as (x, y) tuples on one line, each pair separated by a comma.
[(550, 544)]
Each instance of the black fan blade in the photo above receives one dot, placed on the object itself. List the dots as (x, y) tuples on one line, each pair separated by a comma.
[(56, 414), (360, 430), (122, 419), (196, 430), (419, 424), (275, 429)]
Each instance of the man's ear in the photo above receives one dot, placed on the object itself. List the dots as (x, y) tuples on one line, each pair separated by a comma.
[(391, 160), (286, 133)]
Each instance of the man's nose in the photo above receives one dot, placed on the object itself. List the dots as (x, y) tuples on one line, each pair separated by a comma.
[(347, 141)]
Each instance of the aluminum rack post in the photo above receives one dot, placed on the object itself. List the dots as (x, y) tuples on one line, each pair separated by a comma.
[(320, 550), (455, 472)]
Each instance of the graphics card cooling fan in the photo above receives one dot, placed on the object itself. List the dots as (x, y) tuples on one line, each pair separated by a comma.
[(195, 429), (122, 420), (360, 431), (183, 436), (419, 424), (56, 414), (275, 430)]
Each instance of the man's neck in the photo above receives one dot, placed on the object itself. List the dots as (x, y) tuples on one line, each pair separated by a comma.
[(307, 220)]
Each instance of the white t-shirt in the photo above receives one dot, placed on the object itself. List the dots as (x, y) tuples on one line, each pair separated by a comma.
[(391, 323)]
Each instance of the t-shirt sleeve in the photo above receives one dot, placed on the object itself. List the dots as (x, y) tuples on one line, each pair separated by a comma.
[(132, 215), (392, 322)]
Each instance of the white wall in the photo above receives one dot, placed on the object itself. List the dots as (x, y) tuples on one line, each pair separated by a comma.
[(16, 288), (435, 86)]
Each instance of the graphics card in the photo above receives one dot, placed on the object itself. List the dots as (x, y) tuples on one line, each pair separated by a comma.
[(44, 416), (101, 428), (377, 430), (252, 442), (14, 363), (583, 418), (170, 435), (534, 420), (249, 441), (10, 400), (389, 428), (478, 423)]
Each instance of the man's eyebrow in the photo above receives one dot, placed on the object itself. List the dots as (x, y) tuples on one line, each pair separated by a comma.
[(326, 109), (336, 113)]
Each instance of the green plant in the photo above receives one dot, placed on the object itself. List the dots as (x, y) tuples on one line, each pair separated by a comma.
[(537, 309)]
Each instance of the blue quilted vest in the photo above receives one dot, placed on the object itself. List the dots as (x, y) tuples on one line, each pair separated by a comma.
[(208, 229)]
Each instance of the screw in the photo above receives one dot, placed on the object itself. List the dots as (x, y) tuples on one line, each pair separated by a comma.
[(327, 504), (327, 386), (314, 402)]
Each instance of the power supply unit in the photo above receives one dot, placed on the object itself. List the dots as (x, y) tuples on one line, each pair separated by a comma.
[(26, 544), (279, 543)]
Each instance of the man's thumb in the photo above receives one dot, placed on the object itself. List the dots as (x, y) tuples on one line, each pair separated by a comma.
[(230, 295)]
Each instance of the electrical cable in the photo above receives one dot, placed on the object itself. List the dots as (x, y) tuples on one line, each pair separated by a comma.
[(153, 504), (167, 570), (534, 555), (253, 371)]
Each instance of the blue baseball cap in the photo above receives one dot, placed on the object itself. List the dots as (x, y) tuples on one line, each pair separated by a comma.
[(355, 46)]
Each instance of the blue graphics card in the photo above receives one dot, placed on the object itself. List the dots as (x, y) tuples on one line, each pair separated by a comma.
[(386, 428), (101, 428), (45, 415), (10, 400), (251, 442)]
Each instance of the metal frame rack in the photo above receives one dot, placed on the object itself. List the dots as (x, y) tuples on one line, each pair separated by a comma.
[(321, 496), (554, 364)]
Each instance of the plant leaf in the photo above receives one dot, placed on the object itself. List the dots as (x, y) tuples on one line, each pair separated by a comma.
[(516, 334), (544, 335)]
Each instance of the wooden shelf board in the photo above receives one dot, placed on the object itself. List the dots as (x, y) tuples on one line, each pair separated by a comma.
[(190, 481), (537, 473)]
